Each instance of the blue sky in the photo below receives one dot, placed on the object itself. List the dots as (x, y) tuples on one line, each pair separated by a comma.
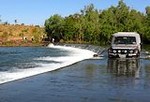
[(37, 11)]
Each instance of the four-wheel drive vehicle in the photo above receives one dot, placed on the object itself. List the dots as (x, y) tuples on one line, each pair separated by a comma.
[(125, 44)]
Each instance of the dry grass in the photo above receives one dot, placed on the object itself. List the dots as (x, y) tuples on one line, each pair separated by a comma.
[(20, 33)]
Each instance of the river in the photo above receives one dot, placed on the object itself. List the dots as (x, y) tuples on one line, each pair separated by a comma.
[(78, 77)]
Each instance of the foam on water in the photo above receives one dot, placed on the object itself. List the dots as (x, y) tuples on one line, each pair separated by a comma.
[(74, 56)]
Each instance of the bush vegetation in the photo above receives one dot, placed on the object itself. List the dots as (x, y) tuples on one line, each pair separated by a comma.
[(95, 26)]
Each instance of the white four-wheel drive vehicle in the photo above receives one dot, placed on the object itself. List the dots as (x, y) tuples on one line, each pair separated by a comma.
[(125, 44)]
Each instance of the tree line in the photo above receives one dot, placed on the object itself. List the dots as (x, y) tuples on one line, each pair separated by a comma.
[(95, 26)]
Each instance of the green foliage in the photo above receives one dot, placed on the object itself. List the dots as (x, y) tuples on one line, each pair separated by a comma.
[(54, 27), (96, 26)]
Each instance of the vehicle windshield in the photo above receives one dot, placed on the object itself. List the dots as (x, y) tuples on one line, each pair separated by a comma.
[(124, 40)]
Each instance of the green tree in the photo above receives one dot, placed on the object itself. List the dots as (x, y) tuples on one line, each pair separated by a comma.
[(54, 27), (108, 23), (147, 25), (91, 24), (121, 12), (134, 22), (15, 21), (148, 15), (96, 26), (69, 28)]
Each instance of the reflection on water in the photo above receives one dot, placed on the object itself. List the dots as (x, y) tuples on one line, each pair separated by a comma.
[(126, 67), (108, 80)]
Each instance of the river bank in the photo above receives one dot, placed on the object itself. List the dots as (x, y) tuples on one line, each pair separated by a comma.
[(19, 43), (21, 35)]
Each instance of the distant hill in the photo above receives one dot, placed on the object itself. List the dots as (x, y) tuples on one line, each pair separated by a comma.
[(20, 35)]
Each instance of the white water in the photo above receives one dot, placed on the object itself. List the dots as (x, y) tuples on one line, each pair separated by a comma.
[(74, 56)]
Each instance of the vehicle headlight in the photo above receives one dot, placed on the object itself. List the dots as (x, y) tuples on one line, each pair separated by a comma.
[(114, 51), (125, 51), (136, 51), (131, 51), (119, 51)]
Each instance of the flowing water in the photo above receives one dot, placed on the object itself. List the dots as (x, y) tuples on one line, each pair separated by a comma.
[(89, 80), (22, 62)]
